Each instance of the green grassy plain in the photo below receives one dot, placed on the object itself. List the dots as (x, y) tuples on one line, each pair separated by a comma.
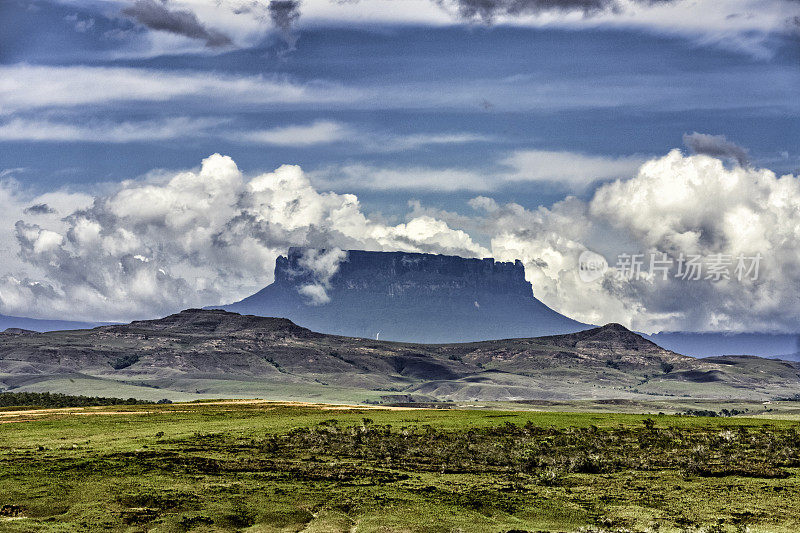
[(264, 467)]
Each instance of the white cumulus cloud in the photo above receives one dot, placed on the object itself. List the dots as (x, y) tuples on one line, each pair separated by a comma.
[(676, 204), (212, 235), (194, 238), (321, 265)]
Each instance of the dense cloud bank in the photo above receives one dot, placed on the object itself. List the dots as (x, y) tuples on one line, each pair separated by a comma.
[(196, 238), (212, 236), (676, 205)]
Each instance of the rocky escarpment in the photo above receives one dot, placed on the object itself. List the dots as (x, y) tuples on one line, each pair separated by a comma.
[(399, 274), (200, 321), (406, 297)]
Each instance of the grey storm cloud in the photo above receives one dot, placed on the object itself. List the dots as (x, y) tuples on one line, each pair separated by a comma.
[(157, 16), (284, 14), (487, 10), (39, 209), (716, 146)]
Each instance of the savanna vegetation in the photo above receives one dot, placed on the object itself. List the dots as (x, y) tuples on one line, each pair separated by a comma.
[(236, 466), (50, 400)]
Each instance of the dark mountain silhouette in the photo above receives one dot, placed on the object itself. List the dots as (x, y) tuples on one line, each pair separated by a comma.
[(708, 344), (410, 297), (35, 324)]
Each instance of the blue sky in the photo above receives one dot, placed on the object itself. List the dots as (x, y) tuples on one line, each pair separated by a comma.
[(600, 91), (414, 101)]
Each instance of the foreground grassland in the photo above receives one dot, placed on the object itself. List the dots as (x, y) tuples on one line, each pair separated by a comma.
[(263, 467)]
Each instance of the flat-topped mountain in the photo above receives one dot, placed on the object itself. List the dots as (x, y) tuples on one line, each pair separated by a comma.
[(214, 352), (409, 297)]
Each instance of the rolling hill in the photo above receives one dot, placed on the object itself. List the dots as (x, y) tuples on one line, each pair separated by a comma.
[(214, 353)]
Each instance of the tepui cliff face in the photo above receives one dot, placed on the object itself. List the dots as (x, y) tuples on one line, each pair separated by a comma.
[(400, 274), (405, 296)]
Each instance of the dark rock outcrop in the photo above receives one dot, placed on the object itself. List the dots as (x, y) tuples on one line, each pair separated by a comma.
[(608, 337), (205, 321), (409, 297), (18, 331)]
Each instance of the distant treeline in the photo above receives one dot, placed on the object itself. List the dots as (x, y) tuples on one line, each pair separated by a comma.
[(47, 399)]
